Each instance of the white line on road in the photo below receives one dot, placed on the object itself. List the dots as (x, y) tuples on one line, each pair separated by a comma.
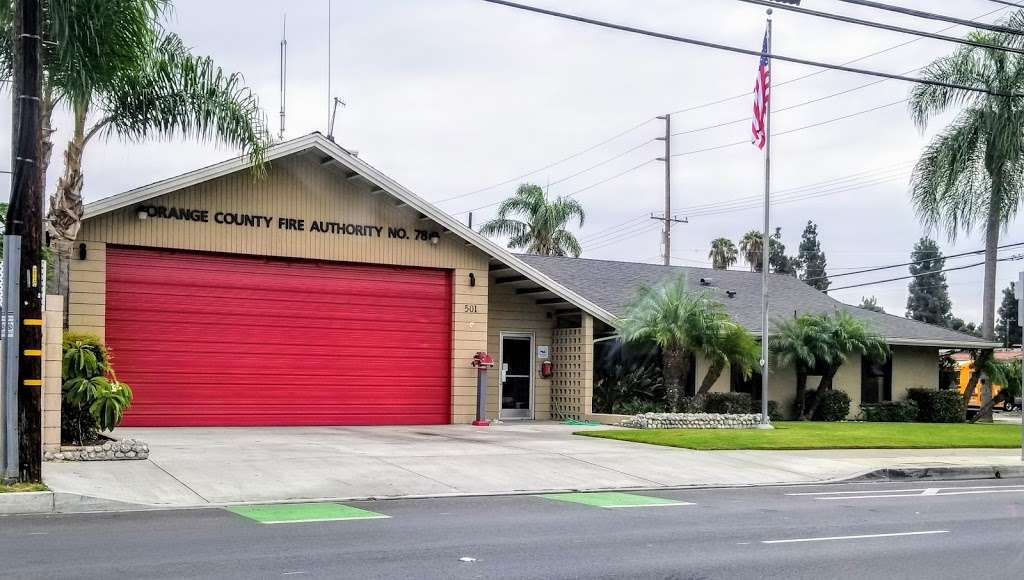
[(858, 492), (646, 505), (861, 537)]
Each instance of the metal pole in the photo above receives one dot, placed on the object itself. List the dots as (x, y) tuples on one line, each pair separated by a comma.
[(667, 232), (1020, 322), (9, 390), (765, 240)]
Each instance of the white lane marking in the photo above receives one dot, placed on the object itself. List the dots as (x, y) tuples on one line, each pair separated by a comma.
[(39, 533), (467, 559), (860, 537), (906, 490), (918, 492), (641, 505), (294, 573)]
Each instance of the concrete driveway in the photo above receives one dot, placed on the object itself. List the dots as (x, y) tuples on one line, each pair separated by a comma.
[(202, 466)]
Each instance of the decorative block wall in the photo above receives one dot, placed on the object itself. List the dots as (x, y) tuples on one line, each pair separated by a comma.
[(572, 386)]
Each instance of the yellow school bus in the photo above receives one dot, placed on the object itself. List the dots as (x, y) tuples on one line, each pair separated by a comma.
[(975, 403)]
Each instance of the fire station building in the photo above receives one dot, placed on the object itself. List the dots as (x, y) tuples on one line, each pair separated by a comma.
[(325, 293)]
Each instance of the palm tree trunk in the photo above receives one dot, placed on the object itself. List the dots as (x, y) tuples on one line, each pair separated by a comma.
[(66, 206), (801, 391), (672, 371), (979, 363), (711, 377), (824, 384)]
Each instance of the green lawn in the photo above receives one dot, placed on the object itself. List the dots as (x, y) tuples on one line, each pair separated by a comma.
[(22, 487), (815, 435)]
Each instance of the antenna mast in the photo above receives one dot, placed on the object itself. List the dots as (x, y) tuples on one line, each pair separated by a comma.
[(284, 70), (329, 107)]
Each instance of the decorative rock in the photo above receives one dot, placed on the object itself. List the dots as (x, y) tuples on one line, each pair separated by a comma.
[(109, 451), (692, 421)]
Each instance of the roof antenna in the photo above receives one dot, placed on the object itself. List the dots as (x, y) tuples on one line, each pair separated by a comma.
[(284, 70), (334, 112)]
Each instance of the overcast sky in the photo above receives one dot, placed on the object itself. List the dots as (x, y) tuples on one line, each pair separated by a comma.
[(451, 96)]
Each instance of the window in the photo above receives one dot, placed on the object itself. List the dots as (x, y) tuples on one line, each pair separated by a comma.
[(738, 384), (875, 381)]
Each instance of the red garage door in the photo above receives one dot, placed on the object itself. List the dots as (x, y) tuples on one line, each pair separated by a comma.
[(207, 339)]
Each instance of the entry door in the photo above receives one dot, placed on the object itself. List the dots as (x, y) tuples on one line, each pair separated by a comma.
[(515, 394)]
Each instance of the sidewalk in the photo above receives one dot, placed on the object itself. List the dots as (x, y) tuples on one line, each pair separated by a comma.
[(203, 466)]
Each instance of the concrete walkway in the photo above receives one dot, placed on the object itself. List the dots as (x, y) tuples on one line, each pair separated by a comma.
[(202, 466)]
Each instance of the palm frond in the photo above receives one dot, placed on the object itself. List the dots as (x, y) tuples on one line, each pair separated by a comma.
[(178, 93)]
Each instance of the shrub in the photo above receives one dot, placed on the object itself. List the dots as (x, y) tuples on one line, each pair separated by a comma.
[(93, 400), (774, 411), (937, 406), (638, 406), (728, 403), (691, 404), (833, 405), (890, 412), (625, 388)]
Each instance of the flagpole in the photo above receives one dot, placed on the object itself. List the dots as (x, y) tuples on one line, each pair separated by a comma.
[(766, 240)]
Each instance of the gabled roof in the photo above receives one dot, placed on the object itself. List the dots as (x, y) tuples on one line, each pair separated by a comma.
[(336, 154), (612, 285)]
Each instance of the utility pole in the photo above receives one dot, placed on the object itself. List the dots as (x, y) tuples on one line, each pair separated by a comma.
[(667, 218), (25, 219)]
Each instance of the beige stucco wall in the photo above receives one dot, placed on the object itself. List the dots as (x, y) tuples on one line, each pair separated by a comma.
[(913, 366), (300, 188), (511, 312)]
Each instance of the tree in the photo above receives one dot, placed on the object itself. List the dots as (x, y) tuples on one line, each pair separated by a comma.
[(751, 247), (1009, 332), (733, 347), (822, 343), (971, 174), (871, 304), (959, 325), (801, 343), (929, 294), (544, 230), (723, 254), (813, 259), (678, 321), (111, 65)]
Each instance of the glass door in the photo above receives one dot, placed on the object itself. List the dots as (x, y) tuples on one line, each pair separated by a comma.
[(515, 376)]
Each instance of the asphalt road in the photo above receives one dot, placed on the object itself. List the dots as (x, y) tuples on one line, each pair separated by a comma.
[(928, 530)]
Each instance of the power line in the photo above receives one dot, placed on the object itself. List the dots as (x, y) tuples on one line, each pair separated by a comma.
[(717, 102), (1007, 3), (914, 263), (603, 231), (883, 26), (975, 265), (933, 16), (548, 166), (805, 127), (748, 52), (605, 162), (592, 185), (795, 198), (623, 235)]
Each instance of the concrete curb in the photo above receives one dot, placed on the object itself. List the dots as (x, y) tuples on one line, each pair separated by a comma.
[(26, 502), (48, 502), (944, 472)]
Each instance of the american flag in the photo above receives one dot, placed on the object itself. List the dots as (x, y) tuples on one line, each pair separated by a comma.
[(762, 97)]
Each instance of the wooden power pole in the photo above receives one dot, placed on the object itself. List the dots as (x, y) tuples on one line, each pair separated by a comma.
[(25, 219)]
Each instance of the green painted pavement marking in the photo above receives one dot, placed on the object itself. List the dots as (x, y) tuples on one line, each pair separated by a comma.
[(295, 513), (611, 500)]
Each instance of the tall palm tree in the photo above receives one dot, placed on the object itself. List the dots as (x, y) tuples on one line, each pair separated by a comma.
[(677, 320), (109, 63), (972, 173), (751, 246), (734, 347), (723, 253), (543, 229)]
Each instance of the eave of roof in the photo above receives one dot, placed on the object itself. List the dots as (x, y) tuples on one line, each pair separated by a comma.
[(370, 174)]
